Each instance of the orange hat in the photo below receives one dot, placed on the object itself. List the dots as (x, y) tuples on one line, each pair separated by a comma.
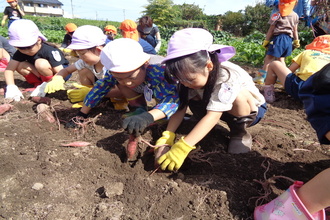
[(320, 43), (110, 28), (11, 1), (129, 29), (286, 7), (70, 27)]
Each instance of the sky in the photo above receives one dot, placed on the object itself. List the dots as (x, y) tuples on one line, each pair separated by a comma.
[(132, 9)]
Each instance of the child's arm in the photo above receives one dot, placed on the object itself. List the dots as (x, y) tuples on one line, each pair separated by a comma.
[(57, 82), (168, 136), (315, 194), (269, 36), (12, 91), (4, 18), (174, 158)]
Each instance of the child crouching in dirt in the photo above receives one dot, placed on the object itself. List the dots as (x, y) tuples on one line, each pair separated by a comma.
[(213, 88), (300, 201), (87, 42), (316, 55), (129, 69), (35, 60)]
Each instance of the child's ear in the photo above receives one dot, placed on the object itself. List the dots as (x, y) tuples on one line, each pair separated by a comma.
[(209, 65)]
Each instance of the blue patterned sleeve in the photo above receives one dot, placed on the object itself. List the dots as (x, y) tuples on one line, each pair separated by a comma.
[(166, 94), (100, 90)]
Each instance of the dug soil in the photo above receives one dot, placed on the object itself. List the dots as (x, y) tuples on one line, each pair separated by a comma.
[(42, 179)]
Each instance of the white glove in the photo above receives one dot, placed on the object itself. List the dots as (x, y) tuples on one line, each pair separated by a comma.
[(157, 48), (12, 92), (40, 90)]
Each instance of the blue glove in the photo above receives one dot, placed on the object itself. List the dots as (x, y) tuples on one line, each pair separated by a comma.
[(138, 123)]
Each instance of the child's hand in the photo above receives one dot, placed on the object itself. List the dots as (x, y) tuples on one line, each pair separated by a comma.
[(138, 123), (167, 138), (265, 44), (174, 158), (56, 84), (13, 92), (296, 43), (79, 94)]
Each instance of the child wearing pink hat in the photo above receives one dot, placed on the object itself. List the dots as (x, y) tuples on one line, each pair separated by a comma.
[(87, 42), (213, 88), (36, 60)]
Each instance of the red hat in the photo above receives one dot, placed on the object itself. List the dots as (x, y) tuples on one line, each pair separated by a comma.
[(129, 29), (110, 28), (320, 43), (70, 27), (11, 1), (286, 7)]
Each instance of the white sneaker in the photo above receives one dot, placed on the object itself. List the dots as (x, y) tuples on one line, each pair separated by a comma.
[(269, 93)]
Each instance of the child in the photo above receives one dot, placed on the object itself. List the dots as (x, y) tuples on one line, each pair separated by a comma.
[(129, 30), (111, 32), (87, 42), (215, 89), (70, 29), (316, 55), (129, 69), (35, 60), (149, 32), (12, 12), (300, 201), (283, 28), (6, 53), (315, 95)]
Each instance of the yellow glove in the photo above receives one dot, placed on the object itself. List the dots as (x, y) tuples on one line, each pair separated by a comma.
[(66, 50), (296, 43), (167, 138), (18, 7), (78, 105), (3, 23), (57, 83), (265, 44), (79, 94), (173, 159)]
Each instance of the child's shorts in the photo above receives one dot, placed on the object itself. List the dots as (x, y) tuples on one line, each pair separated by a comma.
[(292, 85), (261, 112), (281, 47)]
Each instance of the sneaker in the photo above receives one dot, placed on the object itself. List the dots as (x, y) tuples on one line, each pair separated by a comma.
[(269, 93), (260, 77)]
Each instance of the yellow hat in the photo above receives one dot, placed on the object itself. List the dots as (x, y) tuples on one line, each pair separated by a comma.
[(110, 28), (129, 29), (286, 7)]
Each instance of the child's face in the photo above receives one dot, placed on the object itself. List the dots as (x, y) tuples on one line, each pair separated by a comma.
[(30, 50), (195, 80), (131, 79), (13, 4), (88, 56)]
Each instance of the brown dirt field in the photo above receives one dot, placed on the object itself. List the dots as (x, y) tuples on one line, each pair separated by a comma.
[(40, 179)]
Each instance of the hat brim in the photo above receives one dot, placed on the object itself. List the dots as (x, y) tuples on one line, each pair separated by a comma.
[(226, 52)]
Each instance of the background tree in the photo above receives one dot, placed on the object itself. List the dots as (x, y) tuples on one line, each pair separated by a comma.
[(161, 12), (233, 22), (256, 18)]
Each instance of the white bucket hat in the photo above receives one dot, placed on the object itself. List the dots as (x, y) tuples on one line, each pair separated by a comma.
[(123, 55)]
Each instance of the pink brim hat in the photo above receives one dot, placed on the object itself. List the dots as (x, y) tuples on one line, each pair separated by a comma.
[(191, 40), (24, 33)]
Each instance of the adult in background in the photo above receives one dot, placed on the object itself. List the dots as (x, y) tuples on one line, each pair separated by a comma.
[(149, 32), (6, 53), (12, 12)]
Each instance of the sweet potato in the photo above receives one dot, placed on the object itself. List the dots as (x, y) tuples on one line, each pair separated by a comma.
[(38, 100), (4, 108), (76, 144), (132, 147), (45, 112)]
